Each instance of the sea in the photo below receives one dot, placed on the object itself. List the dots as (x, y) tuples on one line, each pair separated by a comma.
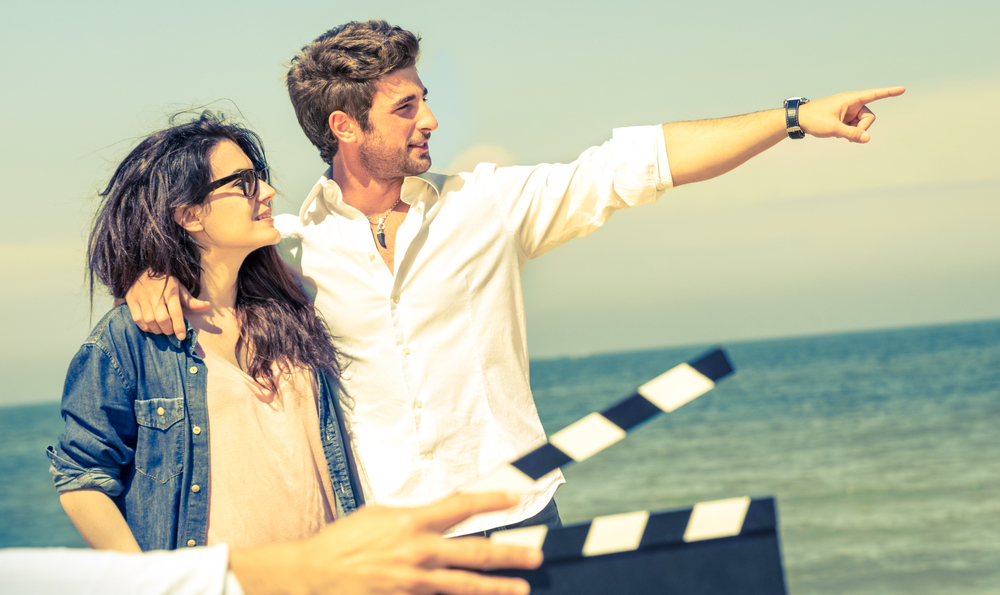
[(882, 449)]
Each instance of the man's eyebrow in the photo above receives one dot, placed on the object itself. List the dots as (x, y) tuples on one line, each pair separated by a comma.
[(401, 102)]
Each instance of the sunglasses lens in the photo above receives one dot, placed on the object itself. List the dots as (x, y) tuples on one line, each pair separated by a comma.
[(249, 180)]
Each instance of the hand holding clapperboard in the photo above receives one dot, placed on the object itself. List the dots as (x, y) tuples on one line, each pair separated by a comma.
[(726, 546)]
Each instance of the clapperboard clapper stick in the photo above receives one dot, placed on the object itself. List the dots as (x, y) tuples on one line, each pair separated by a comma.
[(726, 546), (597, 431)]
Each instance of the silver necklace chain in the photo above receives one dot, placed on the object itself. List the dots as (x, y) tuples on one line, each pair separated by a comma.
[(380, 233), (381, 218)]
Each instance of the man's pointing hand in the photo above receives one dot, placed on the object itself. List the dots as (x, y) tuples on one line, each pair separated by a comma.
[(845, 115)]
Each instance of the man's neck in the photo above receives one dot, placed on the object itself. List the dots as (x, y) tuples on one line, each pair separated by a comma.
[(369, 195)]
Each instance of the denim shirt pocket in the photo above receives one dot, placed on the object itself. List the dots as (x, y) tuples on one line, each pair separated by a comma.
[(159, 451)]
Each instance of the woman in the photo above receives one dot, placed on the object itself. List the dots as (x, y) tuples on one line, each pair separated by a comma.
[(230, 435)]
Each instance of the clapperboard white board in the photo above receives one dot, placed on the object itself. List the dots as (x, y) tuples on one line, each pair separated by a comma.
[(726, 546)]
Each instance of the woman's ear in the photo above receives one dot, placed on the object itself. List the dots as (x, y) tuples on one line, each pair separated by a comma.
[(189, 217)]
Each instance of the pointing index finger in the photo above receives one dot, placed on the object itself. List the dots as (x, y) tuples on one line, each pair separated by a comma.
[(876, 94)]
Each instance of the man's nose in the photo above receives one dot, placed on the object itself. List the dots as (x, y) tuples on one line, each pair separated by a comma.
[(426, 119)]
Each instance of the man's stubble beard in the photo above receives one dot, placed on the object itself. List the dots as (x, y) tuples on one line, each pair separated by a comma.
[(385, 163)]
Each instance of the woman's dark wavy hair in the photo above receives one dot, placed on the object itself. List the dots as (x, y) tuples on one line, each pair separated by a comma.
[(135, 231)]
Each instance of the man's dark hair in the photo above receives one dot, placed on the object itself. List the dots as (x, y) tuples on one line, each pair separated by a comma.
[(340, 70), (135, 232)]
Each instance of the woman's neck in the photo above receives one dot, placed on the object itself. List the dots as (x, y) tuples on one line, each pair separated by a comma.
[(219, 273), (218, 327)]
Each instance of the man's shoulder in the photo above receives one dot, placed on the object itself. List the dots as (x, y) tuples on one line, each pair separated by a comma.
[(288, 225)]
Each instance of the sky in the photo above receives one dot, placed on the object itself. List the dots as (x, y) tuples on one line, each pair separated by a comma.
[(814, 236)]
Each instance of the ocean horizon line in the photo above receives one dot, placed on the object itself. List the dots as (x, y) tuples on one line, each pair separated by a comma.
[(6, 401), (766, 339)]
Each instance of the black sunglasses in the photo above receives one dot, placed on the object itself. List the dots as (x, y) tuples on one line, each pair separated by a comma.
[(248, 182)]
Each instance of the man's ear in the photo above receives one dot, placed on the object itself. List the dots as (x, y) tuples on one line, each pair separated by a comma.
[(344, 128), (189, 217)]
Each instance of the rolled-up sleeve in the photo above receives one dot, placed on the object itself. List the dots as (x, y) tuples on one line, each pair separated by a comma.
[(100, 425), (640, 162), (550, 204)]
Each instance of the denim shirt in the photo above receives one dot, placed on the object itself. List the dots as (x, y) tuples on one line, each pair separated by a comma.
[(137, 428)]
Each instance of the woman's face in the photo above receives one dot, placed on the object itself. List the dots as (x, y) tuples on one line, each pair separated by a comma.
[(229, 219)]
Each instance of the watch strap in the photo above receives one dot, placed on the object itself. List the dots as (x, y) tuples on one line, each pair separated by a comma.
[(792, 117)]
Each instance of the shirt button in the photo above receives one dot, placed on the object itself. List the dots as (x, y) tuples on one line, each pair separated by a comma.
[(196, 429), (406, 351), (395, 299), (371, 257), (196, 488), (193, 369), (192, 543), (419, 404), (429, 457), (160, 410)]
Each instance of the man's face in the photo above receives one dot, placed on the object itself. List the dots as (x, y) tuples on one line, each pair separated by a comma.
[(401, 125)]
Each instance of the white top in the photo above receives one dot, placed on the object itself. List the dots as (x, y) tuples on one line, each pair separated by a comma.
[(58, 571), (437, 381), (270, 482)]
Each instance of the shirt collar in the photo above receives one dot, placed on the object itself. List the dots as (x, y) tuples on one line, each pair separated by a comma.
[(189, 342), (326, 196)]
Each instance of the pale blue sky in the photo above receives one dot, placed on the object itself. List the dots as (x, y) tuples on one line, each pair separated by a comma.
[(815, 236)]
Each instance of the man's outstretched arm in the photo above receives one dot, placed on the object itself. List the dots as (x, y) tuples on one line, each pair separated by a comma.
[(696, 151), (704, 149)]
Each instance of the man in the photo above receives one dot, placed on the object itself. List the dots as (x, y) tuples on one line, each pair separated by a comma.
[(420, 276), (376, 550)]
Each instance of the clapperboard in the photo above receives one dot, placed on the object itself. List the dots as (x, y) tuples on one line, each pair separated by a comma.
[(721, 547)]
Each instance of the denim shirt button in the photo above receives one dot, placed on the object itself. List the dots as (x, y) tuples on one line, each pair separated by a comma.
[(160, 410), (196, 429), (192, 543), (193, 369), (196, 488)]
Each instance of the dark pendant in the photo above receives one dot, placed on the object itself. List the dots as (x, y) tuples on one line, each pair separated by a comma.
[(380, 236)]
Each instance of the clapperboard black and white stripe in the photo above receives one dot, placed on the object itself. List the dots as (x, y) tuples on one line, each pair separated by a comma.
[(725, 546), (721, 547), (597, 431)]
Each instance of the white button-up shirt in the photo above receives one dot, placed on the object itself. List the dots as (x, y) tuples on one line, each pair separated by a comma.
[(437, 389)]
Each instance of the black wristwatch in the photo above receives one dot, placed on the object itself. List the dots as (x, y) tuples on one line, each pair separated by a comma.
[(792, 117)]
